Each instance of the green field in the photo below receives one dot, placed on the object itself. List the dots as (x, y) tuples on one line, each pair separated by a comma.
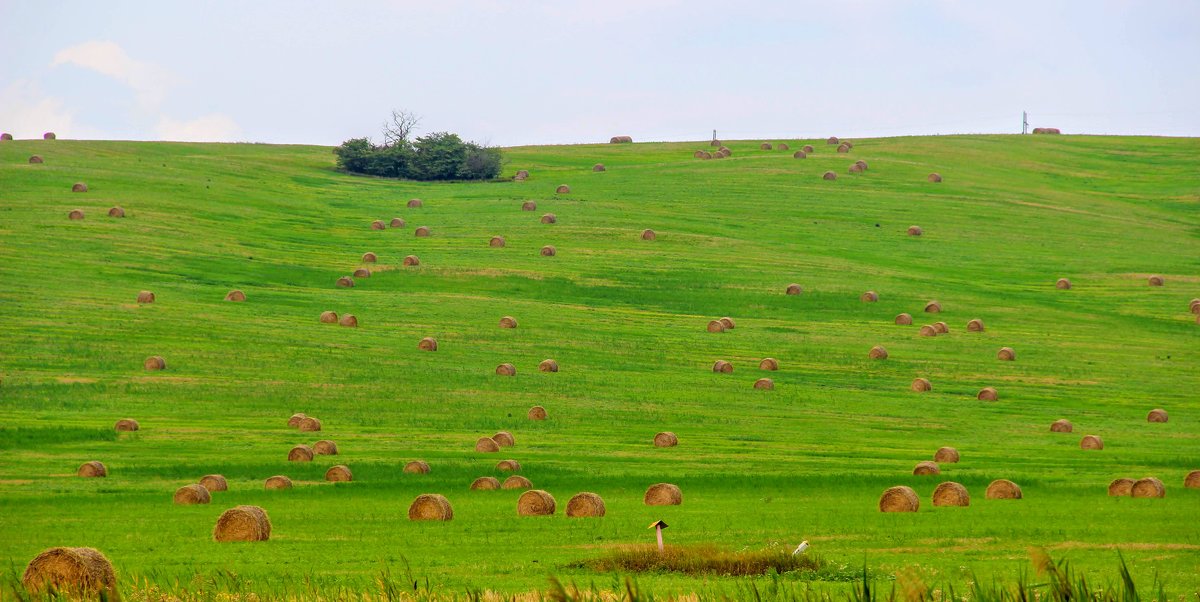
[(625, 319)]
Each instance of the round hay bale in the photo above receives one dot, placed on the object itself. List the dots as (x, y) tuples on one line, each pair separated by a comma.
[(214, 482), (339, 474), (941, 327), (878, 353), (975, 325), (549, 218), (807, 148), (486, 445), (904, 319), (793, 289), (235, 296), (921, 385), (620, 140), (988, 394), (92, 469), (935, 178), (1157, 415), (855, 168), (663, 494), (145, 297), (562, 189), (1156, 281), (716, 326), (782, 146), (727, 322), (362, 273), (537, 413), (715, 143), (73, 573), (869, 297), (764, 384), (516, 482), (75, 214), (725, 150), (508, 322), (416, 467), (768, 363), (529, 206), (411, 261), (1062, 425), (126, 425), (79, 187), (485, 484), (548, 365), (1120, 487), (1192, 480), (294, 421), (535, 502), (585, 505), (1062, 284), (504, 439), (548, 251), (926, 468), (1006, 354), (49, 136), (506, 369), (665, 439), (1194, 306), (649, 235), (843, 148), (430, 506), (899, 499), (329, 317), (1091, 442), (415, 204), (765, 146), (349, 321), (1003, 489), (8, 136), (191, 494), (155, 362), (300, 453), (1046, 131), (421, 231), (598, 167), (832, 140), (521, 175), (377, 225), (928, 331), (829, 175), (243, 523), (370, 258), (1148, 487), (397, 222), (799, 155), (933, 307), (946, 455), (508, 466), (861, 164), (116, 212), (309, 424), (915, 231), (496, 241), (700, 154), (325, 447), (951, 494), (277, 482)]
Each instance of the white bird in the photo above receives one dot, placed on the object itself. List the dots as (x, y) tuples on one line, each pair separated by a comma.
[(802, 548)]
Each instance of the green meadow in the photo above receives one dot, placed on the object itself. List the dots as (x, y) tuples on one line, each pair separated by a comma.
[(625, 319)]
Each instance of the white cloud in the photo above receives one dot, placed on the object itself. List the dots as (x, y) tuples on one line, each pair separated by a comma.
[(149, 82), (215, 127), (27, 112)]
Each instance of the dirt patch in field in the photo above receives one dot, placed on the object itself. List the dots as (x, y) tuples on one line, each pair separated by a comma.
[(75, 380)]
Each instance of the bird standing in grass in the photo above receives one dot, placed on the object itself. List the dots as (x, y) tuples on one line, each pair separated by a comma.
[(800, 549)]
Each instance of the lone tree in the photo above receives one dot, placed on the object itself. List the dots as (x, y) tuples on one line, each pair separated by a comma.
[(399, 128)]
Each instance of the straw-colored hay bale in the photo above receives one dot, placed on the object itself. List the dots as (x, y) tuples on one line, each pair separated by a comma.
[(75, 214), (430, 506), (49, 136), (516, 482), (1194, 306), (294, 421), (1062, 284), (1157, 415), (345, 282), (508, 322), (1062, 425), (926, 468), (8, 136), (928, 331), (562, 189), (329, 317), (1046, 131), (549, 218), (548, 365), (946, 455), (398, 222), (663, 494), (191, 494), (362, 273), (537, 413), (921, 385), (832, 140), (793, 289), (782, 146), (1003, 489), (235, 296), (214, 482), (649, 234), (1148, 487), (1091, 442), (116, 212), (427, 344), (665, 439), (411, 261), (768, 363), (715, 143), (521, 175), (504, 439), (1156, 281), (496, 241), (339, 474), (79, 187), (416, 467), (861, 164), (421, 231), (727, 322), (1006, 354), (701, 154), (715, 326), (598, 167), (878, 353), (855, 168), (529, 206), (508, 466), (325, 447), (126, 425), (620, 140), (485, 484), (829, 175), (92, 469), (799, 155), (370, 257), (243, 523), (300, 453), (145, 297), (915, 231), (585, 505), (764, 384), (899, 499), (1192, 480), (155, 362), (277, 482), (535, 502), (506, 369), (941, 327), (975, 325), (808, 148), (1120, 487), (933, 307), (548, 251), (309, 424), (988, 394), (951, 494), (377, 225), (74, 573), (869, 297), (765, 146), (843, 148), (935, 178), (486, 445), (904, 319)]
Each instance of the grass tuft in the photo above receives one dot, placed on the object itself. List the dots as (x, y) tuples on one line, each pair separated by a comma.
[(704, 560)]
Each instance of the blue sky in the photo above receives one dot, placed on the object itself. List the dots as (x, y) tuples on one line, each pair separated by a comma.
[(540, 72)]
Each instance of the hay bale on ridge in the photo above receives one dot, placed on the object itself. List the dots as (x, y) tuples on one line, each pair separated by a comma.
[(415, 204), (362, 273), (295, 419), (716, 326), (598, 167), (529, 206), (799, 155), (807, 148), (727, 322), (941, 327), (427, 344)]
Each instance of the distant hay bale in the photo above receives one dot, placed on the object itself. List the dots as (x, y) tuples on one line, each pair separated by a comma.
[(941, 327), (700, 154), (370, 257), (75, 214), (1003, 489), (1156, 281), (8, 136), (768, 363), (521, 175), (1062, 425), (951, 494), (946, 455), (411, 261), (649, 234), (904, 319), (486, 445), (799, 155), (1192, 480), (1091, 442), (829, 175), (300, 453), (1120, 487), (191, 494), (535, 502), (861, 164), (793, 289), (1157, 415), (855, 168), (1148, 487), (496, 241), (843, 148), (620, 140), (529, 206), (116, 212), (548, 365), (933, 307), (1194, 306), (549, 218), (415, 204), (329, 317), (504, 439), (562, 189), (975, 325), (92, 469), (145, 297), (782, 146), (348, 320), (716, 143), (1006, 354), (325, 447), (79, 187), (928, 331), (715, 326), (728, 323), (294, 421), (126, 425), (362, 273), (536, 413), (988, 394), (508, 466), (506, 369), (665, 439), (155, 362), (235, 296), (765, 146), (899, 499), (516, 482), (832, 140), (485, 484), (878, 353), (243, 523), (430, 506), (345, 282), (663, 494), (397, 223), (421, 231), (35, 159), (416, 467), (508, 322), (764, 384), (915, 231), (377, 225), (1046, 131), (598, 167), (926, 468), (921, 385), (214, 482), (277, 482), (70, 573), (934, 177), (1062, 284), (309, 424), (585, 505), (807, 148), (869, 297), (339, 474), (548, 251), (49, 136)]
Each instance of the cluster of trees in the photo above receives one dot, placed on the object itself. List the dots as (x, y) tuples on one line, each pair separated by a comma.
[(436, 156)]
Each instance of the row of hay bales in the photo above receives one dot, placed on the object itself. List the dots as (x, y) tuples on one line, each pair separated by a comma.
[(903, 498), (47, 136)]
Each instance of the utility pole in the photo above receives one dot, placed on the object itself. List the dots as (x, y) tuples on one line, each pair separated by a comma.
[(714, 134), (1024, 122)]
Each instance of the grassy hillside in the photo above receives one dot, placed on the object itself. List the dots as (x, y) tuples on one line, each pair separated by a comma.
[(625, 319)]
